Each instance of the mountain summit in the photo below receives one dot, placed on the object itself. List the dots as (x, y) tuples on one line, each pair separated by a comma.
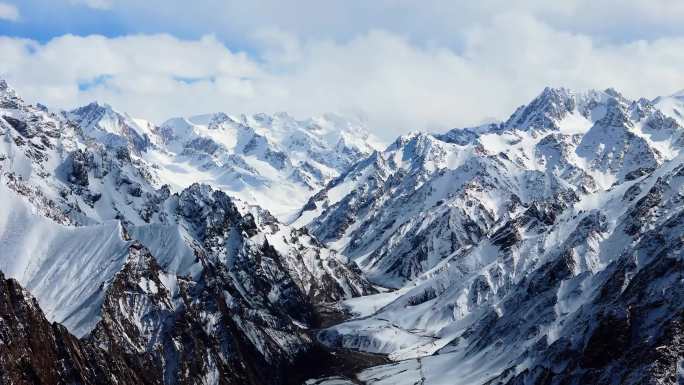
[(182, 287), (274, 161), (546, 249)]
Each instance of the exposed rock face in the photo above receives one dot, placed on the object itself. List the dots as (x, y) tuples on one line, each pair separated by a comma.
[(35, 351), (192, 287), (274, 161), (203, 332), (79, 168), (402, 212), (543, 250)]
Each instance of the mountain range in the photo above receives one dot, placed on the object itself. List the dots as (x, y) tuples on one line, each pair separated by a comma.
[(220, 249)]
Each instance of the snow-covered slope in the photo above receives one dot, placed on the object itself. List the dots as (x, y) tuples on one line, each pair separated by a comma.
[(672, 105), (103, 124), (586, 294), (543, 250), (402, 211), (276, 162), (546, 249), (199, 287)]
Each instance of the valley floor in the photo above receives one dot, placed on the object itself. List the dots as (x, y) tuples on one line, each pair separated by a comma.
[(325, 365)]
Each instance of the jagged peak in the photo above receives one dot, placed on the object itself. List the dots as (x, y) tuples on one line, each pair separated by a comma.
[(283, 115), (418, 150), (96, 111), (260, 117), (468, 135), (411, 137), (543, 112), (612, 93), (198, 195), (219, 118), (95, 107), (555, 92), (101, 121), (5, 89), (617, 116), (616, 104), (552, 105)]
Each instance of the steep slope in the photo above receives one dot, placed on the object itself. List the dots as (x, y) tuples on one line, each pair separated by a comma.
[(200, 287), (34, 351), (113, 129), (672, 105), (543, 250), (402, 211), (276, 162), (592, 295)]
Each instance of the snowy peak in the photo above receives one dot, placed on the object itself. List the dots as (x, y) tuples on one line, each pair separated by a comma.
[(274, 160), (6, 89), (419, 150), (561, 109), (347, 138), (544, 111), (672, 106), (545, 251), (218, 119), (345, 134), (105, 125), (193, 285), (392, 212), (615, 116)]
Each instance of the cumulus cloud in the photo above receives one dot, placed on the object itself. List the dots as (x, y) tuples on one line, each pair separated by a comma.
[(427, 20), (394, 82), (8, 12)]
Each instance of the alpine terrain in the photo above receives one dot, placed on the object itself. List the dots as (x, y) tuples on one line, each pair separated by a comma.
[(266, 250)]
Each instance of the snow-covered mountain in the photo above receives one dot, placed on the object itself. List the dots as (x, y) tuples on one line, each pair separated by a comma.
[(402, 211), (196, 286), (546, 249), (672, 105), (591, 293), (275, 161), (542, 250)]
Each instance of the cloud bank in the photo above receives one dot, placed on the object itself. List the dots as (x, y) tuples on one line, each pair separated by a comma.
[(387, 77)]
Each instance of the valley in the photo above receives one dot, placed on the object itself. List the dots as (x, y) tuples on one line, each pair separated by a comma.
[(266, 250)]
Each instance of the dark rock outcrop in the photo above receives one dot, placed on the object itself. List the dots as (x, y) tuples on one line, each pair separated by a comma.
[(35, 351)]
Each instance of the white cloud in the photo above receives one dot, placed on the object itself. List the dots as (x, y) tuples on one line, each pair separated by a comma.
[(96, 4), (423, 21), (397, 84), (9, 12)]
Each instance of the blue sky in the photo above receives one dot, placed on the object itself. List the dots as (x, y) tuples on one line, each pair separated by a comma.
[(401, 65)]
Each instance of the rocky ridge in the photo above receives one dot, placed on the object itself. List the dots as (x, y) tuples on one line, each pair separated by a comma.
[(542, 250), (196, 286)]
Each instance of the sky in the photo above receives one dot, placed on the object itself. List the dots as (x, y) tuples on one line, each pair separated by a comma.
[(399, 65)]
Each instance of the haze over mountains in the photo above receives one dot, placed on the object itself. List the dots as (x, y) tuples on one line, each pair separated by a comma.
[(221, 249)]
